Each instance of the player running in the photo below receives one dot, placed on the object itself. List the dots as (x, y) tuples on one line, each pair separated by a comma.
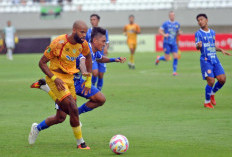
[(131, 30), (96, 98), (170, 30), (98, 68), (211, 67), (62, 54)]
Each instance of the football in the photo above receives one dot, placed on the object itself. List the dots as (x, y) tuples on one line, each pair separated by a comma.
[(119, 144)]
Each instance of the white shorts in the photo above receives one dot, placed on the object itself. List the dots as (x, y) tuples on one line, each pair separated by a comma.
[(10, 44)]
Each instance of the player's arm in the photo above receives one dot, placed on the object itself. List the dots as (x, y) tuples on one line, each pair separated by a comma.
[(44, 67), (138, 30), (223, 51), (106, 49), (198, 41), (161, 31), (83, 67), (105, 59), (107, 44), (124, 31), (88, 65)]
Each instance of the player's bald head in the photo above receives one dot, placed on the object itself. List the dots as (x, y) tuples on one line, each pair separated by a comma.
[(79, 25)]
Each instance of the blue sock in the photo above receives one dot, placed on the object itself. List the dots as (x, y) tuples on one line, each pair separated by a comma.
[(100, 84), (217, 86), (94, 80), (208, 90), (162, 58), (83, 108), (175, 62), (42, 126)]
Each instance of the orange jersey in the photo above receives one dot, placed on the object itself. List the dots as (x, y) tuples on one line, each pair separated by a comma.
[(63, 54), (131, 31)]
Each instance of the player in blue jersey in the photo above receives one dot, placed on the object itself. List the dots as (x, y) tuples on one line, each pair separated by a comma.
[(211, 67), (170, 30), (96, 98), (98, 68)]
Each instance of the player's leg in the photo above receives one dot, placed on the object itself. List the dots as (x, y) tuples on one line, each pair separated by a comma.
[(132, 58), (94, 72), (52, 120), (10, 48), (208, 75), (95, 101), (221, 77), (218, 85), (131, 49), (96, 98), (166, 56), (67, 104), (174, 50), (101, 71)]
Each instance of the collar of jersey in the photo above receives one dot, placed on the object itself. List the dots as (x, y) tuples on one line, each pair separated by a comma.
[(205, 31)]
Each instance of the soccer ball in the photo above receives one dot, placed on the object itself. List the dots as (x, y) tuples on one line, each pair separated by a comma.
[(119, 144)]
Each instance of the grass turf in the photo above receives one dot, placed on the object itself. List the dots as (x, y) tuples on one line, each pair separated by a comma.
[(161, 115)]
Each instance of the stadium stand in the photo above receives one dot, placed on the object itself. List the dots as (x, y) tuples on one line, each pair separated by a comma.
[(109, 5)]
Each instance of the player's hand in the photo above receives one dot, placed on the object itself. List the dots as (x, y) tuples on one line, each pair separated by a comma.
[(121, 59), (86, 74), (166, 35), (85, 90), (199, 44), (226, 53), (59, 84)]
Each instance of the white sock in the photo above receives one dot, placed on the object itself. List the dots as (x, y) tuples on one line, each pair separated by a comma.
[(10, 54), (45, 88), (79, 141), (207, 101)]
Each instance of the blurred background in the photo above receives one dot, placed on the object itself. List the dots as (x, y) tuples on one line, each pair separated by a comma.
[(38, 21)]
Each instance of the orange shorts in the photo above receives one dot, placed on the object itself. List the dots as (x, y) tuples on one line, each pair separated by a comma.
[(132, 45), (68, 84)]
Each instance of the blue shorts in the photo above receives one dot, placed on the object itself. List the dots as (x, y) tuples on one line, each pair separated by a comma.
[(78, 88), (211, 70), (170, 48), (100, 66)]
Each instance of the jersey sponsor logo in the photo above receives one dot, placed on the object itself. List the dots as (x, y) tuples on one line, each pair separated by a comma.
[(61, 41), (206, 44), (71, 58), (48, 50)]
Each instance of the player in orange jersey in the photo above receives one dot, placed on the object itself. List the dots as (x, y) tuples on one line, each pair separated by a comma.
[(62, 54), (131, 30)]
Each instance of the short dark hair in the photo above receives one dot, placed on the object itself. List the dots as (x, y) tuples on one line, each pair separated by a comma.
[(131, 16), (97, 16), (97, 31), (199, 15)]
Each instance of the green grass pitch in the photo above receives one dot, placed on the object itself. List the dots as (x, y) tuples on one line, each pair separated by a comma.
[(161, 115)]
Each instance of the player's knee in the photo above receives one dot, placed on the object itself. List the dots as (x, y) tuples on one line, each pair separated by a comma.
[(211, 82), (222, 81), (101, 100), (72, 108), (61, 119)]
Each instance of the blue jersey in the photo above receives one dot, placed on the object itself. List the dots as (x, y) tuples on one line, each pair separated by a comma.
[(171, 28), (88, 37), (78, 76), (208, 50), (95, 56)]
